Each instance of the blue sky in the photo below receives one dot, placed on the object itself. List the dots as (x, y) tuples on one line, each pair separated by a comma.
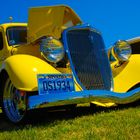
[(116, 19)]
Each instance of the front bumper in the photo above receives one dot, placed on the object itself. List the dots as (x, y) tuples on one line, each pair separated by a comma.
[(85, 96)]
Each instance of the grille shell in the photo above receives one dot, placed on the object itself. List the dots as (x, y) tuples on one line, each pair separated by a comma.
[(88, 58)]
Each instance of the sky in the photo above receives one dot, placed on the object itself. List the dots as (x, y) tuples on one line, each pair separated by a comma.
[(115, 19)]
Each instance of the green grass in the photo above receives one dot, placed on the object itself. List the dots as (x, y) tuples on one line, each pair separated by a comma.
[(82, 124)]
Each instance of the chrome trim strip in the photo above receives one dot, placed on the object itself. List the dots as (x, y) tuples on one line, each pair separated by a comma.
[(48, 100)]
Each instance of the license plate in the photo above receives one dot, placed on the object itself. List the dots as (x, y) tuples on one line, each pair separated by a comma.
[(55, 83)]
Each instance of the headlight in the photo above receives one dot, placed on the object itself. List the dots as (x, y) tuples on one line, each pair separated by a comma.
[(52, 49), (122, 50)]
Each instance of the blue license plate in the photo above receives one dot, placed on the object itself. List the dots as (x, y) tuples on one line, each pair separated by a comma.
[(55, 83)]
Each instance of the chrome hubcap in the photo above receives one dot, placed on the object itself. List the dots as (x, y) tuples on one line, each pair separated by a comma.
[(14, 102)]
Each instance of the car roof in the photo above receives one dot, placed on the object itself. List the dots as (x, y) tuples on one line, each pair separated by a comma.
[(6, 25)]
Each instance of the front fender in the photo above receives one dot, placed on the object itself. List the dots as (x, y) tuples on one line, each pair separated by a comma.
[(23, 70), (127, 75)]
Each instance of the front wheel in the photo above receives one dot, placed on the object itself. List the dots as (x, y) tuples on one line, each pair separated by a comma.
[(13, 102)]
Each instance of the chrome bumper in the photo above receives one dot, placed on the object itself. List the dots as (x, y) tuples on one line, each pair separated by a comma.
[(49, 100)]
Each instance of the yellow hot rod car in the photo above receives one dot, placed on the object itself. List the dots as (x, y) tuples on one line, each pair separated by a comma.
[(56, 60)]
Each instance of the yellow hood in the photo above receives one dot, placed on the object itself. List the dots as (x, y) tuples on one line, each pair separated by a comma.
[(50, 21)]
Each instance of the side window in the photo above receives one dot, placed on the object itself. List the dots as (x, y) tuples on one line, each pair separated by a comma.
[(1, 41)]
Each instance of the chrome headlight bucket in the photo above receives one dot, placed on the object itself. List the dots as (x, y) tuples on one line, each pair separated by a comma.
[(52, 49), (121, 50)]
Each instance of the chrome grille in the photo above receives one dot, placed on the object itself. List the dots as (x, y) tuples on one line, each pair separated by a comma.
[(88, 58)]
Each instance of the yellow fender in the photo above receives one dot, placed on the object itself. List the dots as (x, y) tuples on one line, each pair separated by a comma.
[(23, 70), (127, 75)]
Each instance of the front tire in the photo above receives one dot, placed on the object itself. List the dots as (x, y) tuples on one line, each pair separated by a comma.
[(13, 102)]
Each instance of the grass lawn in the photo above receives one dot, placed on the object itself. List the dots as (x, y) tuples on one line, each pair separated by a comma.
[(83, 123)]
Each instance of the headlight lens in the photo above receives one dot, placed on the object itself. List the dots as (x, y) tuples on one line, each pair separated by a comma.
[(122, 50), (52, 49)]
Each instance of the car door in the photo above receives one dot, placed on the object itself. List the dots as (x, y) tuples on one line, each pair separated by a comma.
[(4, 51)]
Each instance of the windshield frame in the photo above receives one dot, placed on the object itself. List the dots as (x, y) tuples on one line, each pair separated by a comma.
[(7, 35)]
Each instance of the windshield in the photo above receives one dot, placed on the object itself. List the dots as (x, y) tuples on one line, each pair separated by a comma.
[(17, 35)]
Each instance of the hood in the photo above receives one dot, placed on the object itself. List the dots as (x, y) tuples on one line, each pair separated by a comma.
[(50, 21)]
